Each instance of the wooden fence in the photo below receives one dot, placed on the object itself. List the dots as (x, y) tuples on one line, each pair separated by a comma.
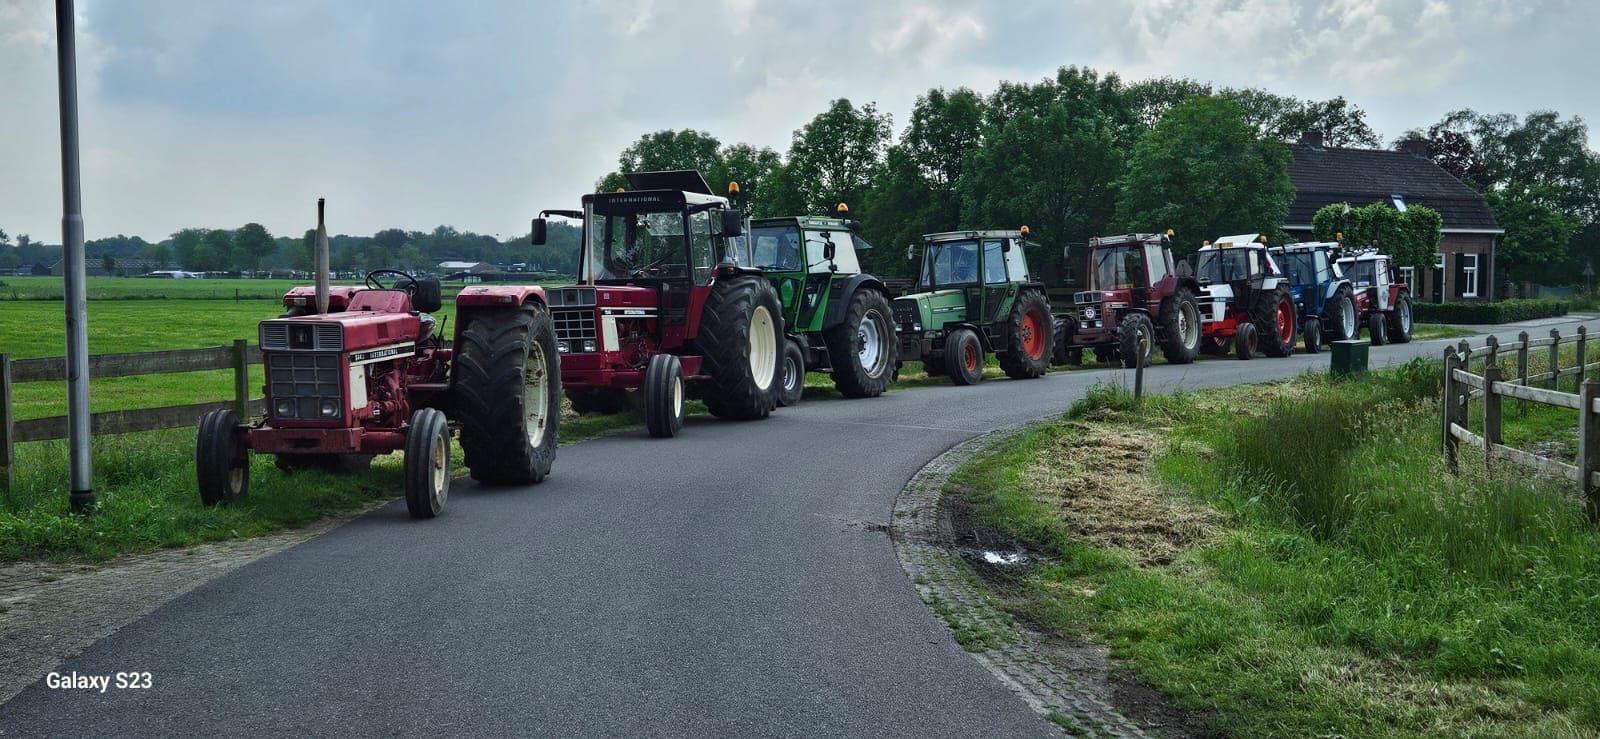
[(237, 357), (1492, 386)]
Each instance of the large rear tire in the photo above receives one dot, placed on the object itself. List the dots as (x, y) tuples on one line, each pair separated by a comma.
[(1136, 337), (963, 357), (1274, 316), (1030, 337), (427, 463), (741, 338), (1340, 316), (507, 383), (221, 465), (1400, 319), (663, 396), (1179, 327), (793, 381), (862, 349)]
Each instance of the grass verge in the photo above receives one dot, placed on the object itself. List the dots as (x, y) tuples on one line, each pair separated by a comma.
[(1292, 559)]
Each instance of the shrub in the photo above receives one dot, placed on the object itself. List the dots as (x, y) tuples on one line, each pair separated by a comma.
[(1505, 311)]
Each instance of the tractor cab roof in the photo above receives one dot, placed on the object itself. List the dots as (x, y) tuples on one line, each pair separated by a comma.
[(1230, 242), (969, 235), (1307, 246), (1366, 257), (818, 222), (649, 200), (1128, 239)]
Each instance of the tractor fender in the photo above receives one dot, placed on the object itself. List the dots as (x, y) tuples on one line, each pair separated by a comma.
[(480, 298), (839, 300), (1333, 289)]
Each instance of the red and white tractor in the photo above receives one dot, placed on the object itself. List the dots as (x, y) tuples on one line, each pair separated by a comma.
[(1246, 300), (1383, 304), (378, 376)]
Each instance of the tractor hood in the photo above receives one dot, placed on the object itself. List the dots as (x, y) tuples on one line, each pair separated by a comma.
[(340, 331)]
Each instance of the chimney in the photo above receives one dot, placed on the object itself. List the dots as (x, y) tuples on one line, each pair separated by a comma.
[(1417, 147), (1312, 139)]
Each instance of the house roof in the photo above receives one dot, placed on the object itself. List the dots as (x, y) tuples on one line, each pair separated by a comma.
[(1326, 175)]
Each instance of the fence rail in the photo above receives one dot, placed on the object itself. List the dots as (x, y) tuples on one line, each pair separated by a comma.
[(1492, 386), (237, 357)]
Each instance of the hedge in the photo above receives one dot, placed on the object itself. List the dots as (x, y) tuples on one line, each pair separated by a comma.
[(1505, 311)]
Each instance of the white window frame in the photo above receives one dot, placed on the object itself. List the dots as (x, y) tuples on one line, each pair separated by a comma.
[(1408, 275), (1471, 273)]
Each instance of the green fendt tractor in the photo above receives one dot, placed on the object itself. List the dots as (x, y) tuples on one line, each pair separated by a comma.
[(835, 318), (977, 298)]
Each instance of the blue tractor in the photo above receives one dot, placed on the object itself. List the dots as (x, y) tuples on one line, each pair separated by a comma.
[(1324, 298)]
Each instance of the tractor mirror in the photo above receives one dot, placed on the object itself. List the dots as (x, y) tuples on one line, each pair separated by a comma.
[(732, 223), (828, 250), (539, 236)]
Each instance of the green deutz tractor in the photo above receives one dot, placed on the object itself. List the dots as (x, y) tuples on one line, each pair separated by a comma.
[(977, 298), (835, 318)]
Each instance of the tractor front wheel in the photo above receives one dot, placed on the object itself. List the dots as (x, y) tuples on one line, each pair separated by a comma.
[(1400, 319), (1274, 315), (1313, 336), (220, 462), (862, 349), (1030, 334), (963, 357), (427, 463), (1340, 313), (663, 396), (1377, 329), (1179, 330), (1136, 340), (1244, 342), (507, 383), (741, 339), (794, 375)]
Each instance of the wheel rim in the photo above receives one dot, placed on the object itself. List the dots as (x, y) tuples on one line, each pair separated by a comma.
[(535, 393), (1250, 342), (871, 354), (1405, 315), (1347, 317), (1285, 321), (441, 462), (1189, 324), (763, 347), (236, 479), (969, 357), (677, 397), (1032, 335), (791, 374)]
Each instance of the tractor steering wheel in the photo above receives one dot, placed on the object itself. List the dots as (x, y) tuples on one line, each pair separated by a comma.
[(646, 270), (405, 282)]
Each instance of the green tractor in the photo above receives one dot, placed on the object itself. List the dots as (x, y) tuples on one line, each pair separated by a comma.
[(977, 298), (835, 318)]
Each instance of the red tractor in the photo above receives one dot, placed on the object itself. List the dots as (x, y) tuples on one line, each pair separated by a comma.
[(378, 377), (1247, 303), (1136, 300), (1382, 304), (667, 303)]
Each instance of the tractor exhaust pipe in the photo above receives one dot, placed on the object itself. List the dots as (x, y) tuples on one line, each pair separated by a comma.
[(320, 257)]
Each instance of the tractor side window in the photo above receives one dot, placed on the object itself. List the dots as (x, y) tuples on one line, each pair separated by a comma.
[(994, 263), (953, 263), (701, 252), (1156, 258)]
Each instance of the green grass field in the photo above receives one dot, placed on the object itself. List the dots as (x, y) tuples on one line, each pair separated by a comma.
[(1292, 559)]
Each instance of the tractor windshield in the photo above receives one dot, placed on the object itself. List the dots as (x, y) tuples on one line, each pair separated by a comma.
[(1301, 267), (1226, 265), (949, 263), (644, 245), (1118, 267), (777, 248), (1362, 271)]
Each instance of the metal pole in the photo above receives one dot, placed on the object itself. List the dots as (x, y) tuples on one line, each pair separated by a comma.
[(82, 474)]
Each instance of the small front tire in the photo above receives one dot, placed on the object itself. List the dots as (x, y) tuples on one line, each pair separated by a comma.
[(221, 463), (1244, 342), (1378, 329), (963, 357), (427, 463), (1313, 336), (663, 396), (792, 375)]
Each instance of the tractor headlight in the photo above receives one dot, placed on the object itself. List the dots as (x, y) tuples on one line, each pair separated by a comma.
[(329, 408), (588, 345), (563, 347), (283, 407)]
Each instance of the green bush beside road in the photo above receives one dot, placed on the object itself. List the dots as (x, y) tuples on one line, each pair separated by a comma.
[(1505, 311)]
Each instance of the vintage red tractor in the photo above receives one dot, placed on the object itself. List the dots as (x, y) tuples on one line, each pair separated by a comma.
[(1136, 300), (667, 303), (1247, 302), (1382, 303), (378, 377)]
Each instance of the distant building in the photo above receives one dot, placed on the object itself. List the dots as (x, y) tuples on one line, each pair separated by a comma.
[(1324, 175), (95, 267)]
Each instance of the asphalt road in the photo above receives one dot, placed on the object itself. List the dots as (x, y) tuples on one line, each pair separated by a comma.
[(727, 582)]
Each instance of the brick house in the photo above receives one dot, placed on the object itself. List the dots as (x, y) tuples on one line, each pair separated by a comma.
[(1325, 175)]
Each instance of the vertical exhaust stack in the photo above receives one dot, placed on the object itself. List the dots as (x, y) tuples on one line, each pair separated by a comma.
[(320, 256)]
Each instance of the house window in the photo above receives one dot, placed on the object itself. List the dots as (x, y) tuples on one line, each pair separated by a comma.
[(1408, 275), (1469, 274), (1399, 202)]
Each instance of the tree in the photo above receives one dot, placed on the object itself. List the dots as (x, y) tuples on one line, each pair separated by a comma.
[(833, 158), (1340, 123), (747, 165), (159, 255), (1453, 151), (5, 238), (216, 250), (251, 244), (665, 150), (108, 263), (1204, 172), (1411, 238), (1538, 235), (186, 246)]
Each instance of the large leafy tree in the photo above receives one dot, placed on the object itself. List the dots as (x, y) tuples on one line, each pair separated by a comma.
[(251, 244), (664, 150), (1538, 234), (1411, 237), (833, 159), (916, 191), (1204, 172)]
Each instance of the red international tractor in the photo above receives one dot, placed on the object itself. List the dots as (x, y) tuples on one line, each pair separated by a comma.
[(378, 376), (1383, 304), (1136, 300), (667, 303), (1247, 303)]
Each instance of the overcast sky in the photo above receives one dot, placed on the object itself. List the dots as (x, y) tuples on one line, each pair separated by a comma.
[(479, 113)]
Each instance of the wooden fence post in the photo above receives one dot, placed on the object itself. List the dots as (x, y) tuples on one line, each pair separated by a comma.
[(1555, 360), (1464, 353), (1589, 446), (1491, 413), (1493, 345), (8, 458), (241, 378), (1522, 370), (1448, 407), (1583, 360)]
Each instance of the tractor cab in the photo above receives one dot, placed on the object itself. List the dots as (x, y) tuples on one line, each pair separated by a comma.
[(971, 275), (1124, 271), (804, 257), (1368, 270), (1383, 302), (1246, 298), (1324, 297)]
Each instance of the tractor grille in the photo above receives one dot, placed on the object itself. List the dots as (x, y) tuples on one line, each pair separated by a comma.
[(1087, 296), (571, 297), (573, 328), (905, 313), (302, 336), (300, 383)]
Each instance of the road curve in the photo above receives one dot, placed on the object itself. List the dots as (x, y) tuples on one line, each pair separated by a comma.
[(731, 581)]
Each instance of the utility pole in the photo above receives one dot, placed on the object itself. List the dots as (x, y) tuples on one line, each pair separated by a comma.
[(82, 476)]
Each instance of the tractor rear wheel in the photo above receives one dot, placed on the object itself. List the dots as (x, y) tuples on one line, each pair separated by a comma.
[(1244, 342), (1313, 336), (1400, 319), (222, 466), (602, 400), (1377, 329), (1274, 316), (963, 357), (1136, 339), (663, 396), (1030, 335), (741, 338), (793, 384), (1340, 315), (507, 385), (427, 463), (862, 349), (1179, 327)]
